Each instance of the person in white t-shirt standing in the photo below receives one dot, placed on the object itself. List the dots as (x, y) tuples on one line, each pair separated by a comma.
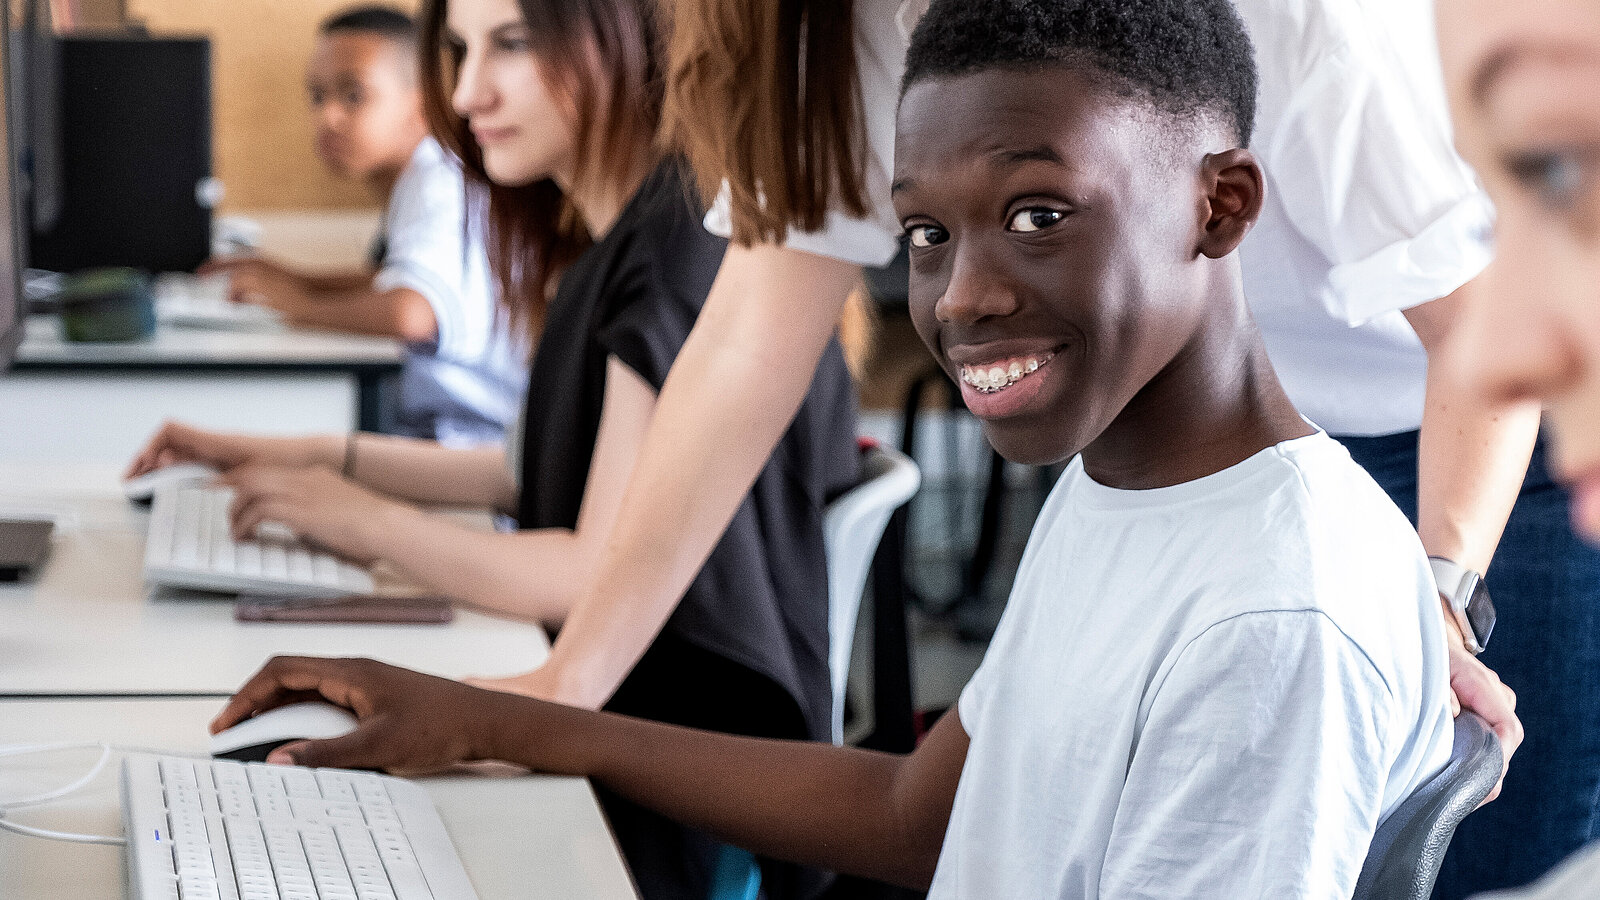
[(463, 373), (1223, 662), (1373, 231)]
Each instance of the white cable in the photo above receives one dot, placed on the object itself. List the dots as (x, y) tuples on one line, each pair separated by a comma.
[(58, 793), (30, 831)]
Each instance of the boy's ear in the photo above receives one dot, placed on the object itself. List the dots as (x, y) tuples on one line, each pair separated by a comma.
[(1235, 190)]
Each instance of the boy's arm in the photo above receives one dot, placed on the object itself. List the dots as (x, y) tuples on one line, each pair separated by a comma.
[(400, 313), (348, 301), (1262, 765), (855, 811), (333, 282)]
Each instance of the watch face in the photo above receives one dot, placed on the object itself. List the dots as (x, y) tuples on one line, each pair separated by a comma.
[(1480, 613)]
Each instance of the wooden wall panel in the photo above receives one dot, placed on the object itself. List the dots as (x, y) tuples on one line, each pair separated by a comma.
[(263, 132)]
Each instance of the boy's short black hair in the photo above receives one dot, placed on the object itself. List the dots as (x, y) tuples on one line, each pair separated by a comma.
[(1186, 57), (384, 21)]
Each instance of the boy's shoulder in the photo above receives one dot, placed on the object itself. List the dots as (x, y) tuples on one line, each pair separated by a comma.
[(1298, 526)]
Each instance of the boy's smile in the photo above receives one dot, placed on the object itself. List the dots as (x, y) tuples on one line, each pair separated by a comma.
[(1069, 269)]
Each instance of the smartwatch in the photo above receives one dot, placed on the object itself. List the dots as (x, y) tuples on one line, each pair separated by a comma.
[(1469, 600)]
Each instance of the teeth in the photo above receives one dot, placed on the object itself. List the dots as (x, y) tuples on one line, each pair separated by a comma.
[(997, 378)]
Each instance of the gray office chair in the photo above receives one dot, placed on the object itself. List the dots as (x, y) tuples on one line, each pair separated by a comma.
[(1404, 858)]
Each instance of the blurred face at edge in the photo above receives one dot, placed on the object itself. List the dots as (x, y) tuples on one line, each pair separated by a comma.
[(1524, 85)]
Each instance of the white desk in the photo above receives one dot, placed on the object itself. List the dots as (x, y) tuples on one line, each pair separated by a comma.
[(69, 402), (86, 626), (530, 836)]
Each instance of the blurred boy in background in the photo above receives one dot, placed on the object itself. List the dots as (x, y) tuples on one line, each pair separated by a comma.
[(428, 284)]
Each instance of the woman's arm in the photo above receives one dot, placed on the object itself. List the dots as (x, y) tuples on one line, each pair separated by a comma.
[(425, 472), (535, 574), (732, 393), (855, 811), (1471, 459)]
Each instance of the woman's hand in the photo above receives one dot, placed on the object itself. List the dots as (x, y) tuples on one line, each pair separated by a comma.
[(179, 443), (317, 504), (1475, 687), (408, 722)]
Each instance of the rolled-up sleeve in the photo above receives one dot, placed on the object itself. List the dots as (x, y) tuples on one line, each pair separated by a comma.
[(1363, 155), (434, 250)]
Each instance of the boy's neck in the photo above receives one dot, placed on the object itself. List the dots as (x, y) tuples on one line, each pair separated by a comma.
[(381, 181), (1215, 405)]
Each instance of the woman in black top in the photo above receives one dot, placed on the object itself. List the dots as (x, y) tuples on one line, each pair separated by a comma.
[(573, 188)]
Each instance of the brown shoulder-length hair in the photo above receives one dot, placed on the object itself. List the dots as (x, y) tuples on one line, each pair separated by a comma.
[(764, 95), (603, 57)]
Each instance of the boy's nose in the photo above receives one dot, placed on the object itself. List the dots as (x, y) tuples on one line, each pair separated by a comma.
[(973, 291)]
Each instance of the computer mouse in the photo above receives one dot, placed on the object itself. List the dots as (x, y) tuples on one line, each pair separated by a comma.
[(141, 488), (259, 735)]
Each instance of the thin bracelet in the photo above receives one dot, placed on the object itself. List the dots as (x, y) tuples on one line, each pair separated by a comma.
[(349, 454)]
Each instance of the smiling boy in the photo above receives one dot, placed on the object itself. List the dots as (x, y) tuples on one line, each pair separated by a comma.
[(1221, 664)]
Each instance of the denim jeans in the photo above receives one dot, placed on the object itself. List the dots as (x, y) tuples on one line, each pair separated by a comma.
[(1545, 582)]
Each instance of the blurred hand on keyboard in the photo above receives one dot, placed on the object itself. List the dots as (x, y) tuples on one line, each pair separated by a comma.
[(176, 442), (316, 504)]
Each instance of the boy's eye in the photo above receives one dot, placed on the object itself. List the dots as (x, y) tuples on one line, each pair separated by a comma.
[(1034, 218), (927, 235)]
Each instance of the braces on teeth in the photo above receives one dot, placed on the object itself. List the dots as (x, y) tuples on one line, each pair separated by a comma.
[(988, 381)]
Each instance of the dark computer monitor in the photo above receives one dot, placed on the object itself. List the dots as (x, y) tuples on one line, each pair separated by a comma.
[(24, 543), (136, 189), (11, 225)]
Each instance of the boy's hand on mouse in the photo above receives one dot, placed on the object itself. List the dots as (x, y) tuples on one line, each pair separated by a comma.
[(318, 504), (409, 723), (176, 442), (1475, 687)]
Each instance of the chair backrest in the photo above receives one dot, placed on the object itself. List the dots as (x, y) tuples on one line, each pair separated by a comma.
[(1404, 858), (851, 527)]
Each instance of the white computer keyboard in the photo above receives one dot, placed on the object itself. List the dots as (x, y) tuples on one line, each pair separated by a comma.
[(190, 545), (201, 301), (223, 830)]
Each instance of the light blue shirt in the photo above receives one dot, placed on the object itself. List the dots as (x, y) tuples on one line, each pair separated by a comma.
[(465, 387)]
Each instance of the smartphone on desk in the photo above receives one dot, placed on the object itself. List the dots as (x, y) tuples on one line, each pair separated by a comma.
[(360, 609)]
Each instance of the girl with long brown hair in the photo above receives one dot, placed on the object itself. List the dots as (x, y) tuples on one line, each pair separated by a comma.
[(596, 242), (785, 111)]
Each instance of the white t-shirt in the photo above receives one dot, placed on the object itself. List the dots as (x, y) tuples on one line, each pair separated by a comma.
[(1215, 689), (1369, 209), (465, 387)]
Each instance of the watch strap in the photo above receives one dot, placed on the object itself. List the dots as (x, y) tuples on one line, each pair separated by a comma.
[(1460, 586), (1450, 576)]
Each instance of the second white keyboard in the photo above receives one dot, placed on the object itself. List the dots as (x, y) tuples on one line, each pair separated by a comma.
[(221, 830), (190, 545)]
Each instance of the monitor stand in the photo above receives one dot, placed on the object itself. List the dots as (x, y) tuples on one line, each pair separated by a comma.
[(24, 545)]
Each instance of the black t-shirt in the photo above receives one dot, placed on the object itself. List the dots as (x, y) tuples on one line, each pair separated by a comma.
[(761, 601)]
